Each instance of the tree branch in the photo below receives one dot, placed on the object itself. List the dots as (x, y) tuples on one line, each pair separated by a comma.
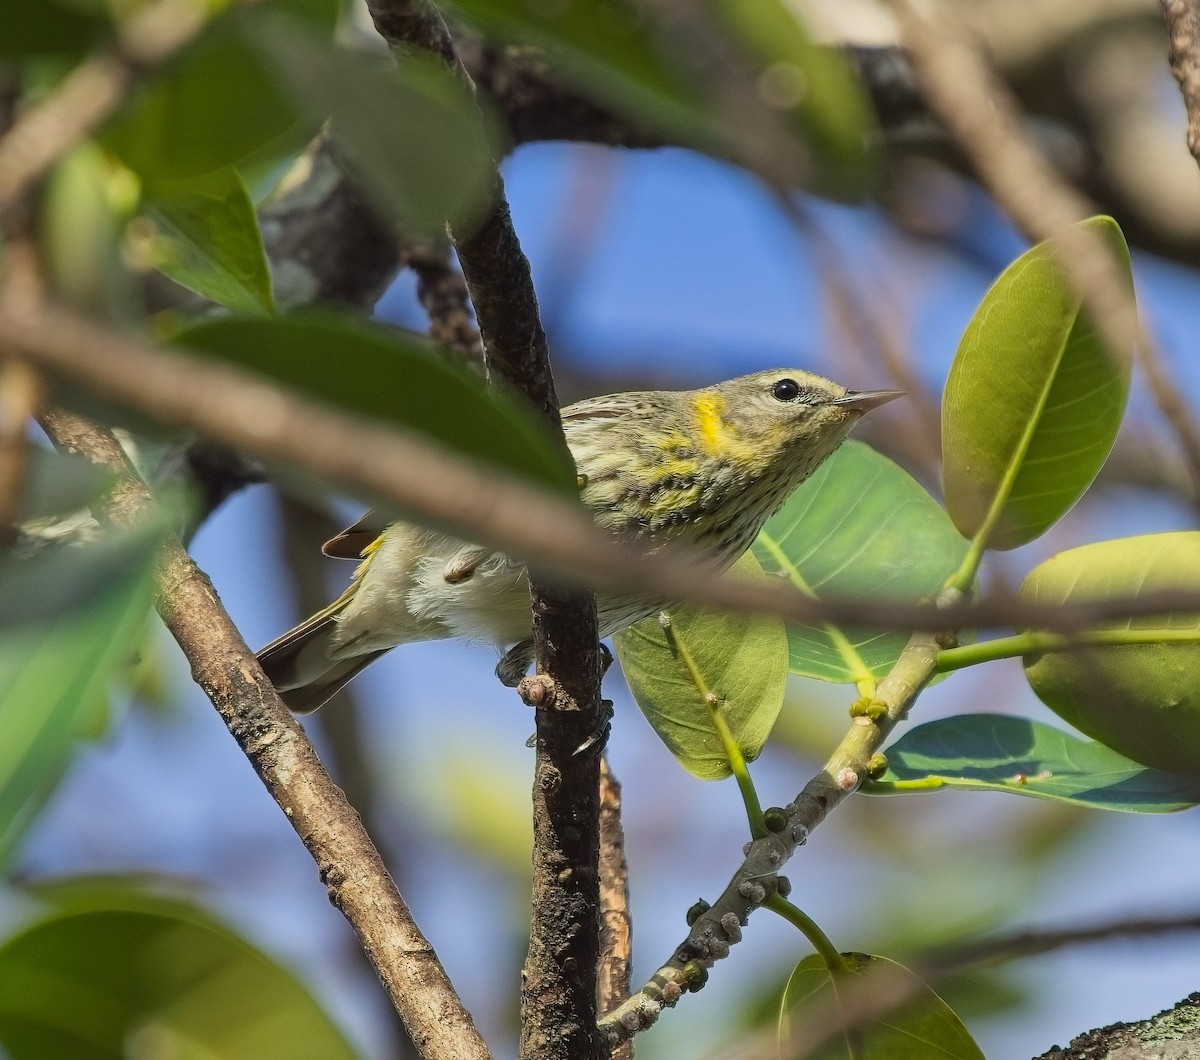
[(558, 995), (481, 504), (351, 869)]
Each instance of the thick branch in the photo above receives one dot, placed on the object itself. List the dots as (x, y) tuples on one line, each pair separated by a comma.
[(349, 866), (1183, 25)]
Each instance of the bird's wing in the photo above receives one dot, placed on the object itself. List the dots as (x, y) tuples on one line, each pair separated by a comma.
[(353, 541)]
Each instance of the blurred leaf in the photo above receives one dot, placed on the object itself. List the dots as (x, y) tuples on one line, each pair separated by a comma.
[(82, 218), (995, 752), (214, 103), (413, 133), (388, 375), (603, 47), (57, 484), (1140, 699), (45, 27), (1033, 402), (743, 660), (53, 672), (209, 240), (115, 972), (816, 88), (921, 1026), (860, 526), (61, 577)]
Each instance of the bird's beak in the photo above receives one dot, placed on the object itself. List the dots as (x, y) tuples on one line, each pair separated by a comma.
[(865, 400)]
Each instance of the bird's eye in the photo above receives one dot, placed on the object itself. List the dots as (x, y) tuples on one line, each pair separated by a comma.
[(786, 390)]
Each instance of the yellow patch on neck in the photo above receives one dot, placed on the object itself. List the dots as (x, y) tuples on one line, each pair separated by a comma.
[(708, 409)]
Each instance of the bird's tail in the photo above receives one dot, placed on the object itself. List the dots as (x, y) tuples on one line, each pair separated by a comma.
[(302, 666)]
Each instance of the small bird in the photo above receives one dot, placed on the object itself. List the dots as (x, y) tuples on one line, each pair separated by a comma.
[(703, 468)]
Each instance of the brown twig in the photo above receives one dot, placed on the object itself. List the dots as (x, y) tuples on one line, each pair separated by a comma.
[(616, 925), (1183, 26), (480, 503), (347, 861), (442, 290), (982, 116)]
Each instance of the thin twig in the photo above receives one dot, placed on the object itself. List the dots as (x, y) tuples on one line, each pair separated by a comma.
[(348, 863), (1183, 26), (616, 925), (983, 117), (442, 290)]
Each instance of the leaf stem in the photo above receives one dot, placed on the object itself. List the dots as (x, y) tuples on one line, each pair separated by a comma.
[(798, 918), (733, 753), (1033, 642)]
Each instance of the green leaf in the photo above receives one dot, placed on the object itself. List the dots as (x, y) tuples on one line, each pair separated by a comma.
[(208, 240), (860, 526), (217, 101), (602, 47), (996, 752), (742, 659), (1142, 700), (46, 27), (920, 1027), (61, 577), (816, 88), (57, 484), (117, 972), (389, 375), (412, 132), (1033, 402), (53, 672)]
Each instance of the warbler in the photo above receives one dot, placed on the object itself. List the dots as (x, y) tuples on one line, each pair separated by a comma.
[(706, 468)]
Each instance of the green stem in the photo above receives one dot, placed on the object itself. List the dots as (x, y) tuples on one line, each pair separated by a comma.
[(899, 787), (733, 753), (797, 917), (1031, 643)]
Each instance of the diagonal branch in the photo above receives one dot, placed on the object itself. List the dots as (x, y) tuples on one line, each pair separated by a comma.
[(480, 504), (348, 863)]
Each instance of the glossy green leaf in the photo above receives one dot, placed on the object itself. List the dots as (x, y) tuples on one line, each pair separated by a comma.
[(46, 27), (920, 1027), (1033, 402), (53, 672), (208, 240), (997, 752), (412, 131), (57, 484), (1142, 700), (389, 375), (860, 526), (113, 972), (815, 88), (741, 658)]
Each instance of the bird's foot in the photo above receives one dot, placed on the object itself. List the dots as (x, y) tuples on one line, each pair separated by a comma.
[(511, 669)]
